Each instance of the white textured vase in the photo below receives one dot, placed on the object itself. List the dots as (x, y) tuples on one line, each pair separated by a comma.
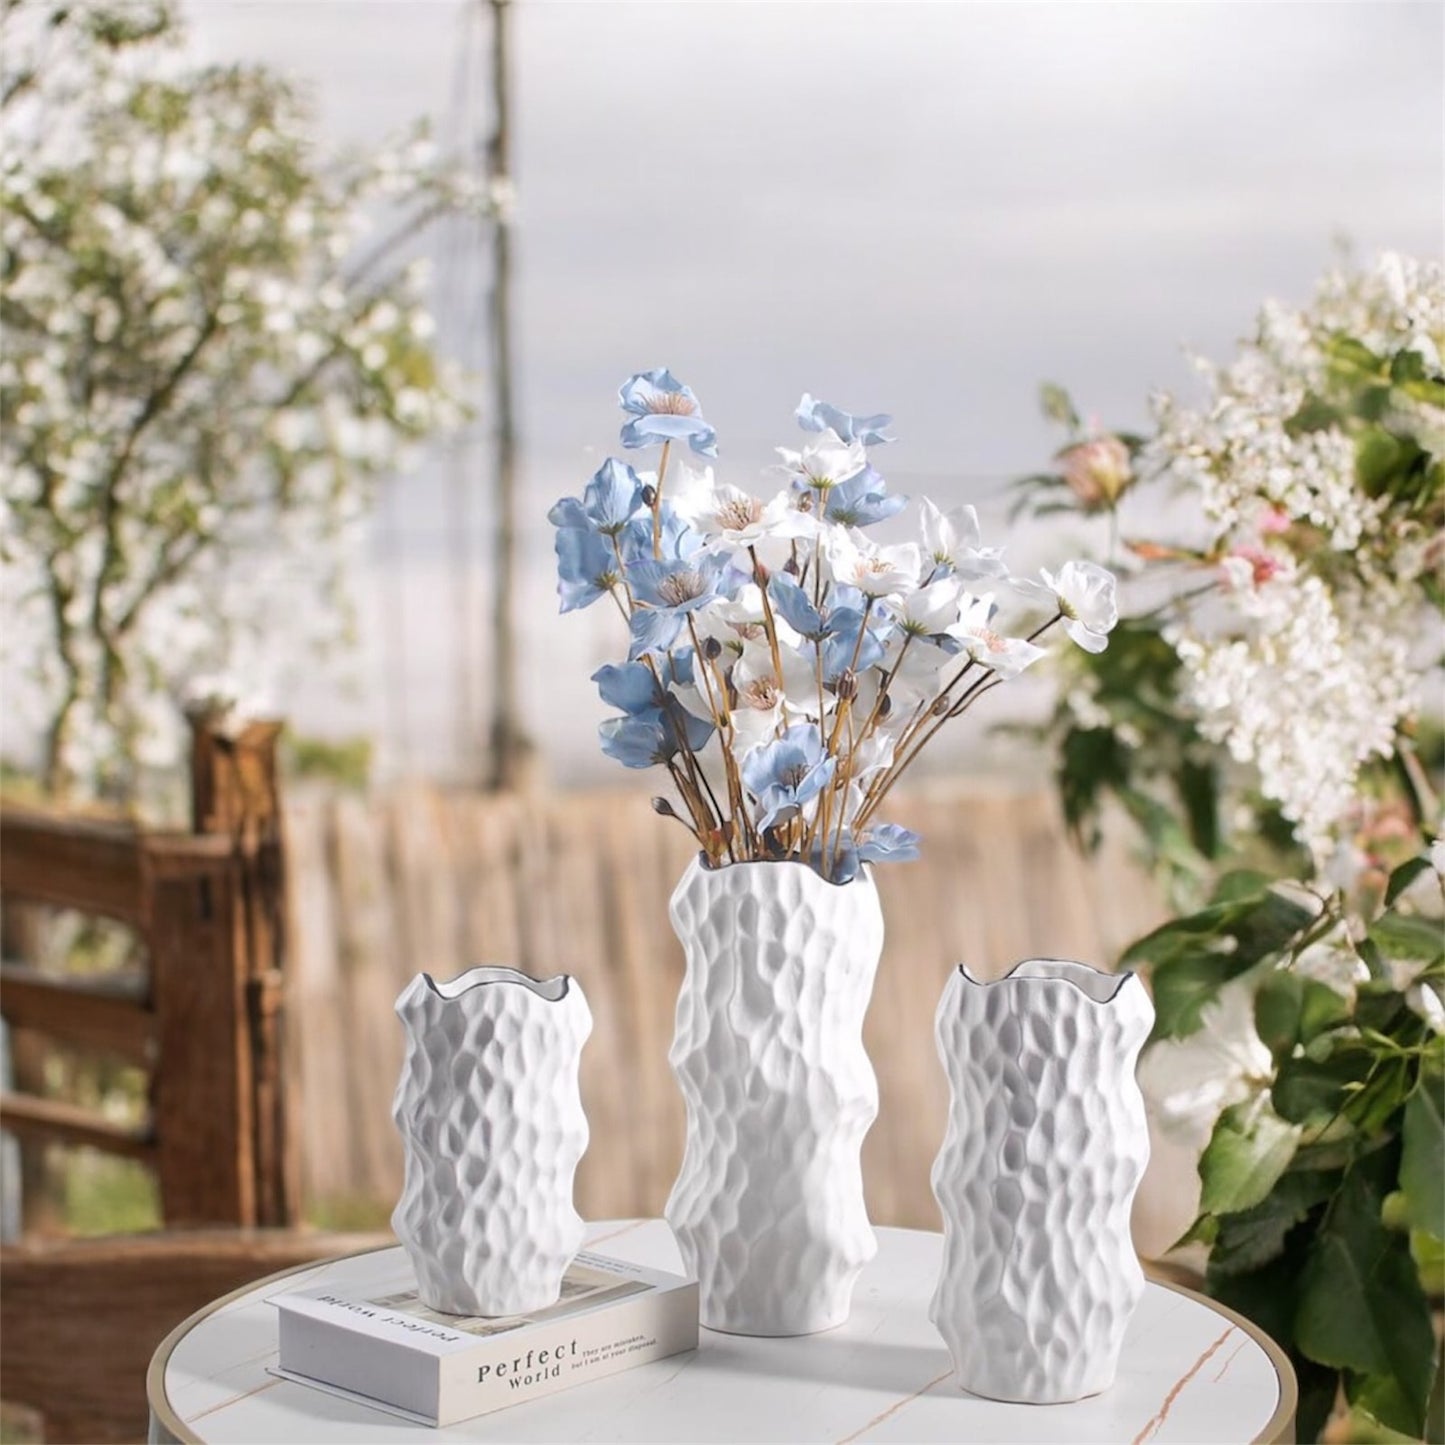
[(491, 1117), (768, 1206), (1045, 1146)]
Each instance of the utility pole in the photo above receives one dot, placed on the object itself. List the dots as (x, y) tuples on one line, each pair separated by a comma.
[(509, 745)]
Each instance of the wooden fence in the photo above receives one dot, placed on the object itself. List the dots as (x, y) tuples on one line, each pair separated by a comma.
[(200, 1012), (425, 880)]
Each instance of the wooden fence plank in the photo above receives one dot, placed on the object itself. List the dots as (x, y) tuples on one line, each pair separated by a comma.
[(47, 1120), (106, 1013), (204, 1107), (77, 863)]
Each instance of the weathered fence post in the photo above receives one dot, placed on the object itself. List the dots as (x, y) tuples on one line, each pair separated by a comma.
[(235, 793)]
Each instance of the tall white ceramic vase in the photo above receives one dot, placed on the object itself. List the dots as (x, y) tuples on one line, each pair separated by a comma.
[(491, 1118), (768, 1206), (1045, 1146)]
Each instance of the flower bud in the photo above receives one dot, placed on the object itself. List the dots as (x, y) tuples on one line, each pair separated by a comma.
[(649, 496), (663, 808), (847, 688), (885, 705), (791, 566), (761, 574), (711, 649), (1097, 471), (941, 706)]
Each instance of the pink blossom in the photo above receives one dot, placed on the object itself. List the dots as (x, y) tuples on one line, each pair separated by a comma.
[(1097, 471)]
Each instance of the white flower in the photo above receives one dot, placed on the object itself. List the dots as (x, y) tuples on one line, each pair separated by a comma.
[(822, 464), (1189, 1082), (876, 571), (1084, 593), (1424, 1000), (1302, 642), (736, 520), (951, 540), (763, 701), (1007, 656), (931, 610)]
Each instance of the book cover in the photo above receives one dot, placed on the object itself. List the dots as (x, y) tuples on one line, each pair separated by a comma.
[(389, 1349)]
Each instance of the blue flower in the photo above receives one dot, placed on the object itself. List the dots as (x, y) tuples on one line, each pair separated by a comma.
[(888, 843), (670, 591), (637, 688), (840, 858), (632, 687), (645, 739), (611, 499), (676, 539), (842, 649), (784, 775), (814, 415), (587, 568), (851, 613), (792, 601), (861, 500), (664, 410), (836, 628)]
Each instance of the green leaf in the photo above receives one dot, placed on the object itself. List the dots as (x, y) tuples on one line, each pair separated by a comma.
[(1193, 957), (1321, 1009), (1401, 935), (1252, 1237), (1428, 1252), (1198, 787), (1361, 1307), (1422, 1164), (1277, 1004), (1267, 1295), (1183, 990), (1364, 1427), (1244, 1159), (1403, 877), (1308, 1090), (1240, 884), (1058, 406)]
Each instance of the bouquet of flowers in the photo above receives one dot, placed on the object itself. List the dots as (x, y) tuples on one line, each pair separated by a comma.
[(783, 667)]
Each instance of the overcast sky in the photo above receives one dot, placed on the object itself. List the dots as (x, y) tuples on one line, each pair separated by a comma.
[(923, 209)]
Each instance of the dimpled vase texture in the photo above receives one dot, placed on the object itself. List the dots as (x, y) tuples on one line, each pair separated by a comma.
[(1045, 1146), (490, 1113), (768, 1206)]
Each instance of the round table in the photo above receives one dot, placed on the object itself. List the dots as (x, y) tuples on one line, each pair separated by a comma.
[(1190, 1371)]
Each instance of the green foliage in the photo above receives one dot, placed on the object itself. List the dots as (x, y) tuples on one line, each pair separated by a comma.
[(1323, 1195), (347, 764), (1141, 748), (1246, 1156), (1191, 958)]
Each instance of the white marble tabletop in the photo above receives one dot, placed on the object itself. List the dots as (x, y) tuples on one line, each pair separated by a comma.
[(1190, 1372)]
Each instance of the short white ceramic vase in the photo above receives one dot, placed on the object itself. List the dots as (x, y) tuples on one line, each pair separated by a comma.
[(768, 1205), (491, 1117), (1045, 1146)]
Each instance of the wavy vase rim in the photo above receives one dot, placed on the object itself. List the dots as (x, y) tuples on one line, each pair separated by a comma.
[(549, 990), (1099, 987)]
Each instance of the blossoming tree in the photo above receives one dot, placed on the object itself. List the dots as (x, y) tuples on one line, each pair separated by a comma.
[(205, 360)]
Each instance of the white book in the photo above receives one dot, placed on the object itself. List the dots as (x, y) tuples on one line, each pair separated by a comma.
[(391, 1350)]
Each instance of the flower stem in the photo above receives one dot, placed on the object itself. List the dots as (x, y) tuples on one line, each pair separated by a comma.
[(657, 502)]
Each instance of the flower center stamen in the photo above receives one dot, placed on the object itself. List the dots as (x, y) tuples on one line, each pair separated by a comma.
[(680, 587), (670, 403), (738, 513)]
